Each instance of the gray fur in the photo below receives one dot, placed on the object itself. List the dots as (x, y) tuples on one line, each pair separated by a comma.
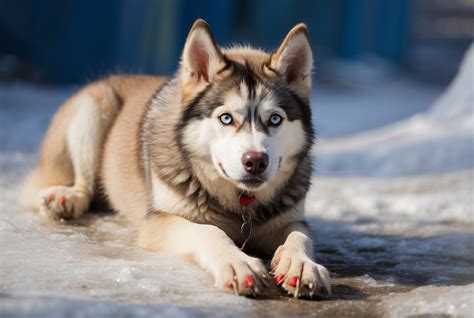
[(165, 154)]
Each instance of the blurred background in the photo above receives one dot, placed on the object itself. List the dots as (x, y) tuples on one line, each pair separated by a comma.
[(72, 41)]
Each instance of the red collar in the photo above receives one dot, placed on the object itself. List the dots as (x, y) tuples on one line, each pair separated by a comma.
[(246, 198)]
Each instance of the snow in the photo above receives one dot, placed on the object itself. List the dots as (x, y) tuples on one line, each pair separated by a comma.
[(391, 209), (438, 140)]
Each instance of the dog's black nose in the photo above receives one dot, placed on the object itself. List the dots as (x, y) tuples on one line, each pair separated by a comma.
[(255, 162)]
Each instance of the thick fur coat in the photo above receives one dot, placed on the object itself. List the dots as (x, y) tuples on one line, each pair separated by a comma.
[(177, 155)]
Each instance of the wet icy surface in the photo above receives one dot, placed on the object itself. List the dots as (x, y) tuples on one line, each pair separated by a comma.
[(396, 234), (372, 246)]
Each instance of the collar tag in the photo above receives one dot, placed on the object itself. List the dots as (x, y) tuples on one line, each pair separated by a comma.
[(246, 228)]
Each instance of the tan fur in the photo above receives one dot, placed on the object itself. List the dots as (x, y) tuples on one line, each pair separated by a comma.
[(122, 101), (120, 161), (55, 166)]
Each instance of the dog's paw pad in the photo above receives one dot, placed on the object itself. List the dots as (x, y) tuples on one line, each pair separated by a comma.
[(62, 202)]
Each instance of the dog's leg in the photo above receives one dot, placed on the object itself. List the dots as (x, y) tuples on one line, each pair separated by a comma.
[(95, 108), (293, 264), (232, 269)]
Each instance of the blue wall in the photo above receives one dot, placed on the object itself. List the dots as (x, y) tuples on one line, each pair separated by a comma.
[(78, 40)]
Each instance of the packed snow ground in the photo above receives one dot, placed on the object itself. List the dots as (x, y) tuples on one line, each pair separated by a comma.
[(391, 209)]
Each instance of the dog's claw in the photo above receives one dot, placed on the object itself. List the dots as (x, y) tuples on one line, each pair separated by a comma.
[(256, 290), (265, 281)]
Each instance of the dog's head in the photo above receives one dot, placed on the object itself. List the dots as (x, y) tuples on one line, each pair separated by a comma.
[(246, 112)]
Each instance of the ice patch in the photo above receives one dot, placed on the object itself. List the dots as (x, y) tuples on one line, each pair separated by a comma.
[(59, 307), (372, 282), (432, 301)]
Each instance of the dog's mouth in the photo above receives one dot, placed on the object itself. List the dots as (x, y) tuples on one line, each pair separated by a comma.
[(252, 182), (247, 183)]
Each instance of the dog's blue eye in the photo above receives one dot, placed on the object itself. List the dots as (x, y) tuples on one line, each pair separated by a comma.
[(226, 119), (275, 120)]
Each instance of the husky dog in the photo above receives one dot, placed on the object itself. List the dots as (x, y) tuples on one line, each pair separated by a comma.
[(202, 163)]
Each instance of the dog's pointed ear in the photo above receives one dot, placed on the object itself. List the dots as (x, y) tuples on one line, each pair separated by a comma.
[(201, 57), (294, 60)]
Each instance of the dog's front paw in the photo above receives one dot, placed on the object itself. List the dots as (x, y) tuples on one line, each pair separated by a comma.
[(61, 202), (299, 275), (240, 273)]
